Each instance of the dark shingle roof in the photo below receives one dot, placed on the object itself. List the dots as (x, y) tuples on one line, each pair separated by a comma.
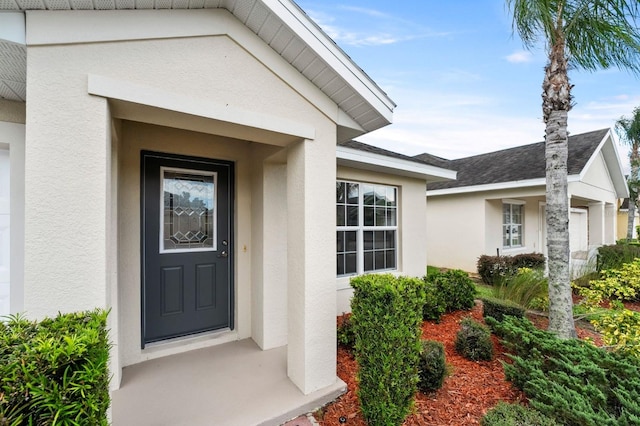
[(519, 163), (380, 151)]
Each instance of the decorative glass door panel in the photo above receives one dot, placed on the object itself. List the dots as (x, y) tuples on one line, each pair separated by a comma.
[(188, 211)]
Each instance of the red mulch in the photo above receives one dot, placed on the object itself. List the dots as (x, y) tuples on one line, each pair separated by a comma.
[(468, 393)]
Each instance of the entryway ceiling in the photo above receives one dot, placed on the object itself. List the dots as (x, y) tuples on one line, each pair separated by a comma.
[(258, 17)]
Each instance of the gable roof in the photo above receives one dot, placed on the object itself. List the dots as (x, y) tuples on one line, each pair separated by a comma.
[(368, 157), (521, 163), (281, 24)]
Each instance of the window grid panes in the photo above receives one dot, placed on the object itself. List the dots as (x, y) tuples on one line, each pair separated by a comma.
[(366, 216), (512, 221)]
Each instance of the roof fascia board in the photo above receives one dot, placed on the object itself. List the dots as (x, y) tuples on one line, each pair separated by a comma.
[(371, 161), (493, 186), (320, 43)]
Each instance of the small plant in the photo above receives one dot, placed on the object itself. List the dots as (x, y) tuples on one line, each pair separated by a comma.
[(345, 335), (522, 288), (387, 319), (435, 305), (620, 329), (498, 309), (432, 367), (505, 414), (473, 341), (455, 288)]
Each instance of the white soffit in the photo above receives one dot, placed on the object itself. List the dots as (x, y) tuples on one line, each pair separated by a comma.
[(279, 23), (363, 160)]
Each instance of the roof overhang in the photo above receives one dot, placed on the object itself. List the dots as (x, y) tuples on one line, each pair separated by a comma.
[(281, 24), (363, 160)]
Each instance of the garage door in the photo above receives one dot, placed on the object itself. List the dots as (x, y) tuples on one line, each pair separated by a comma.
[(578, 231)]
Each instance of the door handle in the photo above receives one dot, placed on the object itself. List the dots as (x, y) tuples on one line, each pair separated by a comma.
[(223, 253)]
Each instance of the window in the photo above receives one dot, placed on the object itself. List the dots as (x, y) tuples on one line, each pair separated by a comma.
[(367, 218), (512, 220)]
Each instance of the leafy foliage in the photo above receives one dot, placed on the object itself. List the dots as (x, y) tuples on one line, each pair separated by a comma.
[(432, 367), (525, 288), (473, 341), (615, 255), (345, 335), (435, 304), (494, 269), (454, 288), (620, 329), (387, 315), (505, 414), (55, 371), (498, 309), (570, 380)]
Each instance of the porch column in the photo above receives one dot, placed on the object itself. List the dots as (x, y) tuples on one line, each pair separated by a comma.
[(311, 269), (596, 224), (610, 223)]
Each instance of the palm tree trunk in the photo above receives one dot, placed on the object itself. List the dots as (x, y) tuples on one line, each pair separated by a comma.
[(633, 194), (556, 103)]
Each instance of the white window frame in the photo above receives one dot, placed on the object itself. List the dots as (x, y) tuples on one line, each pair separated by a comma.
[(360, 229), (511, 202)]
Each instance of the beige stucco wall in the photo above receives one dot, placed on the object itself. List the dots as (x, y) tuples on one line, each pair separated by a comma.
[(462, 227), (412, 228), (80, 162), (12, 112)]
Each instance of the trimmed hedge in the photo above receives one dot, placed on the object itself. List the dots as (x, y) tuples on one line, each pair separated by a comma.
[(387, 319), (55, 371), (505, 414), (473, 341), (493, 269), (432, 367), (454, 289), (435, 305), (498, 309), (570, 380), (613, 256)]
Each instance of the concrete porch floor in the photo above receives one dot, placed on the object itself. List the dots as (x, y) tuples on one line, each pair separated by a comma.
[(235, 384)]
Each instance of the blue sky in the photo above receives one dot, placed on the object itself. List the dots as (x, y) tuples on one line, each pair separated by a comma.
[(463, 82)]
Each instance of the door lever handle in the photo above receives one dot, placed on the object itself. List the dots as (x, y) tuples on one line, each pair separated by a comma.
[(223, 253)]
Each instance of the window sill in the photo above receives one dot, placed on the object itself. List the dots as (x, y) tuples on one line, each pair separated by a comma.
[(514, 250)]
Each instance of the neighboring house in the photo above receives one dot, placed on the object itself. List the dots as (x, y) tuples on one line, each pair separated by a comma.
[(178, 168), (497, 203), (623, 218)]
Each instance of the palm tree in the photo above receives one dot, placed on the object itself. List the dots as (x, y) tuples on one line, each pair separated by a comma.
[(628, 130), (585, 34)]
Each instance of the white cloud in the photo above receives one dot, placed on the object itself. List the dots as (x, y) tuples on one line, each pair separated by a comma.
[(520, 57)]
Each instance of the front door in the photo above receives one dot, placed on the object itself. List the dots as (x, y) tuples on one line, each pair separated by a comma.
[(187, 246)]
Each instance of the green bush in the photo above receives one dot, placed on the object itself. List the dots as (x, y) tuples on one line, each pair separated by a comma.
[(498, 309), (613, 256), (505, 414), (435, 305), (570, 380), (55, 371), (432, 367), (345, 335), (455, 288), (621, 284), (620, 329), (387, 319), (473, 340), (493, 269)]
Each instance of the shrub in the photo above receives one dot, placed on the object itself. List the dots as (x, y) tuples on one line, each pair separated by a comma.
[(345, 334), (613, 256), (620, 329), (432, 367), (387, 318), (621, 284), (435, 305), (570, 380), (493, 269), (523, 288), (455, 288), (505, 414), (498, 309), (473, 341), (55, 371)]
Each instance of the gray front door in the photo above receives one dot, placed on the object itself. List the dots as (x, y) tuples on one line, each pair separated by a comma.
[(187, 245)]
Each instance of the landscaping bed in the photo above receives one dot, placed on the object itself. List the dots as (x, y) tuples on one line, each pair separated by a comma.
[(471, 389)]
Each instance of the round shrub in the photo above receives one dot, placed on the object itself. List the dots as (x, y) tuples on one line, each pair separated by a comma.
[(432, 367), (454, 288), (505, 414), (473, 341), (434, 305)]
